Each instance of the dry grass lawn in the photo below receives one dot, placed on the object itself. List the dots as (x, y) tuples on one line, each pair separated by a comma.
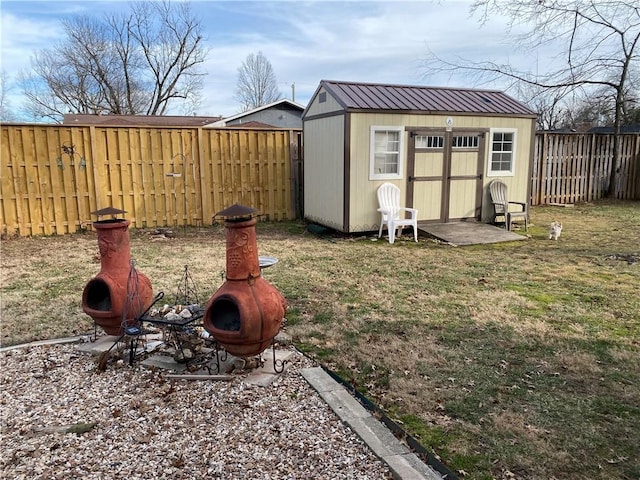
[(515, 360)]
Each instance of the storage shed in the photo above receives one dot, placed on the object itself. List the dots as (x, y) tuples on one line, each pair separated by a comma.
[(440, 146)]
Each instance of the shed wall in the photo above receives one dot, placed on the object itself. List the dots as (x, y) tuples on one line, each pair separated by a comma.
[(363, 201), (324, 171), (318, 108)]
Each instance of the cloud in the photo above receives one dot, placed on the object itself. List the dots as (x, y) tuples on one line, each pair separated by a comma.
[(355, 41), (367, 41), (21, 37)]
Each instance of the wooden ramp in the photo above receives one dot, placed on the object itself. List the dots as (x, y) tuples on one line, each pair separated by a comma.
[(469, 233)]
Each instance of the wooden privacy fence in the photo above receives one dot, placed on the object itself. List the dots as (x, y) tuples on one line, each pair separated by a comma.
[(574, 167), (54, 176)]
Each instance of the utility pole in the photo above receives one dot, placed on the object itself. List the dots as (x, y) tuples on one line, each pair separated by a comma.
[(293, 90)]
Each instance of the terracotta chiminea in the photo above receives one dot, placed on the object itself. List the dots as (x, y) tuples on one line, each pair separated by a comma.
[(105, 297), (246, 312)]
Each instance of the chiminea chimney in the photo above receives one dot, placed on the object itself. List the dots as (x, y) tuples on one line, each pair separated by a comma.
[(104, 298), (246, 312)]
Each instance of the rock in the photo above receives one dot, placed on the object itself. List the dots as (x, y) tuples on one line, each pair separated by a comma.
[(184, 355), (80, 428), (283, 338)]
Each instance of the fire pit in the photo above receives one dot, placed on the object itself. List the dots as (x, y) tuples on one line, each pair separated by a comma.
[(245, 314), (114, 298)]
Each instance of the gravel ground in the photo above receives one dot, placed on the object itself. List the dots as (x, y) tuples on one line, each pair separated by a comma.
[(141, 425)]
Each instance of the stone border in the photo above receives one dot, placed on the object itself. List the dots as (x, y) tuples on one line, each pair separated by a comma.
[(37, 343), (403, 464)]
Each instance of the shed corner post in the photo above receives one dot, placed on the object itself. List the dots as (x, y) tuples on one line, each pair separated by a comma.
[(532, 161), (346, 194)]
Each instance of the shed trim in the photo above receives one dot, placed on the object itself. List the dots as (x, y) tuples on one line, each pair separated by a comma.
[(319, 116), (346, 206), (440, 113), (414, 112), (532, 149), (417, 129)]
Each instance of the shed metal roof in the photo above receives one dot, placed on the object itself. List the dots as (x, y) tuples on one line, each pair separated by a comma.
[(409, 98)]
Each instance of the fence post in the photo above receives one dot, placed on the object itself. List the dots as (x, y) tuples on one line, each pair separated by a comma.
[(542, 168), (636, 166), (201, 204), (295, 155)]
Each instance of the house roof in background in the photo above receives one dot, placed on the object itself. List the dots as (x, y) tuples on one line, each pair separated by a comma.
[(623, 129), (283, 101), (251, 124), (138, 120), (409, 98)]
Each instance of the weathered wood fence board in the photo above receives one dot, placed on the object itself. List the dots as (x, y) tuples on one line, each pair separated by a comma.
[(571, 168), (54, 176)]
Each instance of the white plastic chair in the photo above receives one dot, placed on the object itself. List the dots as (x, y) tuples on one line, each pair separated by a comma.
[(392, 214)]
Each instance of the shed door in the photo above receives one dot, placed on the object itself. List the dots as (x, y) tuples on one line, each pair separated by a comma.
[(445, 174)]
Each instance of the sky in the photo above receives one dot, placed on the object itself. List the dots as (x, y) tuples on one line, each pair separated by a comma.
[(305, 41)]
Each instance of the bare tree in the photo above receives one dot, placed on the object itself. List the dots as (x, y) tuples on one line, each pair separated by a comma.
[(601, 41), (631, 104), (5, 106), (257, 84), (171, 42), (596, 111), (125, 64), (553, 106)]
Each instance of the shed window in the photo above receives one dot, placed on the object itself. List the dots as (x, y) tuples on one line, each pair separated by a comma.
[(386, 153), (465, 141), (429, 141), (502, 152)]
